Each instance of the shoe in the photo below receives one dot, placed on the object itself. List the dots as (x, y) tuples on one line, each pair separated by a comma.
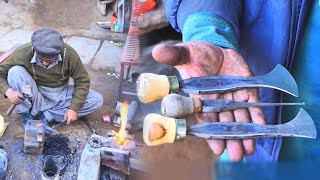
[(26, 116)]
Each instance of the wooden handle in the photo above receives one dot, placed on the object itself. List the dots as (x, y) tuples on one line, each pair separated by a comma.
[(152, 87), (175, 105), (11, 108), (158, 130)]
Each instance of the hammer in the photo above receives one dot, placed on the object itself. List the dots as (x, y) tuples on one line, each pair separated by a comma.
[(152, 87), (158, 129), (175, 105), (26, 91)]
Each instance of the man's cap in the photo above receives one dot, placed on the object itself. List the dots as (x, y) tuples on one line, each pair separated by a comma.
[(47, 43)]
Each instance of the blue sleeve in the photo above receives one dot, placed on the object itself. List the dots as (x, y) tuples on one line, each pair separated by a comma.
[(213, 21)]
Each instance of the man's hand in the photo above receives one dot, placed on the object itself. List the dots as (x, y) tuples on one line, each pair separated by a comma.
[(194, 59), (14, 96), (70, 116)]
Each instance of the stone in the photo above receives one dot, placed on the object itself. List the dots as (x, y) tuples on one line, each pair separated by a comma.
[(109, 56), (3, 164), (85, 47), (89, 167), (16, 36)]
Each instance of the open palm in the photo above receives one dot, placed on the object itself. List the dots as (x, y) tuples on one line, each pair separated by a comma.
[(194, 59)]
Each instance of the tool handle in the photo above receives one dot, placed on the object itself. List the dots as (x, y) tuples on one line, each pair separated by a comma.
[(153, 87), (158, 129), (301, 126), (175, 105), (10, 109)]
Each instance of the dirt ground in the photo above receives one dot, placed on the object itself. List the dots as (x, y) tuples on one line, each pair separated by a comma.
[(71, 18), (190, 159)]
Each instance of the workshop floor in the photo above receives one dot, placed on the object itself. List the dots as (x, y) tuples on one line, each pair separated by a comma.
[(191, 159), (184, 160)]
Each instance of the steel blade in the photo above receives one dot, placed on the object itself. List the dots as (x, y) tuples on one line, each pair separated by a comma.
[(301, 126), (220, 105), (279, 78)]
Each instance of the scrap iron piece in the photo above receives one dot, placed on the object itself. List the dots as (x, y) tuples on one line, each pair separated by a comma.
[(33, 137)]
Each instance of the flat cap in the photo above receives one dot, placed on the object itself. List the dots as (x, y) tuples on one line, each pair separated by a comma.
[(47, 43)]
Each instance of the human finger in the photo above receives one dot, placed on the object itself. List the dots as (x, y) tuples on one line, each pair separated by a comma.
[(256, 113), (234, 147), (216, 145), (243, 116), (172, 55)]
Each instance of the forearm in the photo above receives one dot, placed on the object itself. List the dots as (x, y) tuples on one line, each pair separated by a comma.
[(79, 95), (81, 82), (215, 21)]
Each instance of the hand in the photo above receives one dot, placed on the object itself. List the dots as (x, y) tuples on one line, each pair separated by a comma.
[(70, 116), (195, 59), (14, 96)]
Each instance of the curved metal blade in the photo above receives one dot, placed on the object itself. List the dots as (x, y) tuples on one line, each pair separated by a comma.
[(279, 78), (301, 126), (220, 105)]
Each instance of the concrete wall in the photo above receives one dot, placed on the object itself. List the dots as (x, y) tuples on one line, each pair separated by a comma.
[(71, 17)]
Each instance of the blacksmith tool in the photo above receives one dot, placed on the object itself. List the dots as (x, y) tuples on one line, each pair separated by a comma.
[(60, 124), (26, 91), (152, 87), (86, 122), (175, 105), (50, 130), (158, 129)]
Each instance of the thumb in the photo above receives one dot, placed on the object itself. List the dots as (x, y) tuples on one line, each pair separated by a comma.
[(172, 55)]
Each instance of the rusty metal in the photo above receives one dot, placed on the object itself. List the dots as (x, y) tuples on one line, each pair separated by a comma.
[(95, 142), (50, 169), (132, 49), (91, 128), (116, 159), (33, 137)]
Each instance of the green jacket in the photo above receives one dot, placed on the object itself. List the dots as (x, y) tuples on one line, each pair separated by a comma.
[(51, 77)]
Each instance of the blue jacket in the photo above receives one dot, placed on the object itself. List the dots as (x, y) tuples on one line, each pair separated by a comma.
[(266, 33)]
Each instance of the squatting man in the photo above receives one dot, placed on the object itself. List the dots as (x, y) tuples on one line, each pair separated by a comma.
[(47, 64)]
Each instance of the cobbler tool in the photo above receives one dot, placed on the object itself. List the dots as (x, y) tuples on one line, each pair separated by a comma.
[(152, 87), (175, 105), (158, 129)]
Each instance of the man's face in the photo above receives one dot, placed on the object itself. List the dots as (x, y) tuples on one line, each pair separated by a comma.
[(46, 61)]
